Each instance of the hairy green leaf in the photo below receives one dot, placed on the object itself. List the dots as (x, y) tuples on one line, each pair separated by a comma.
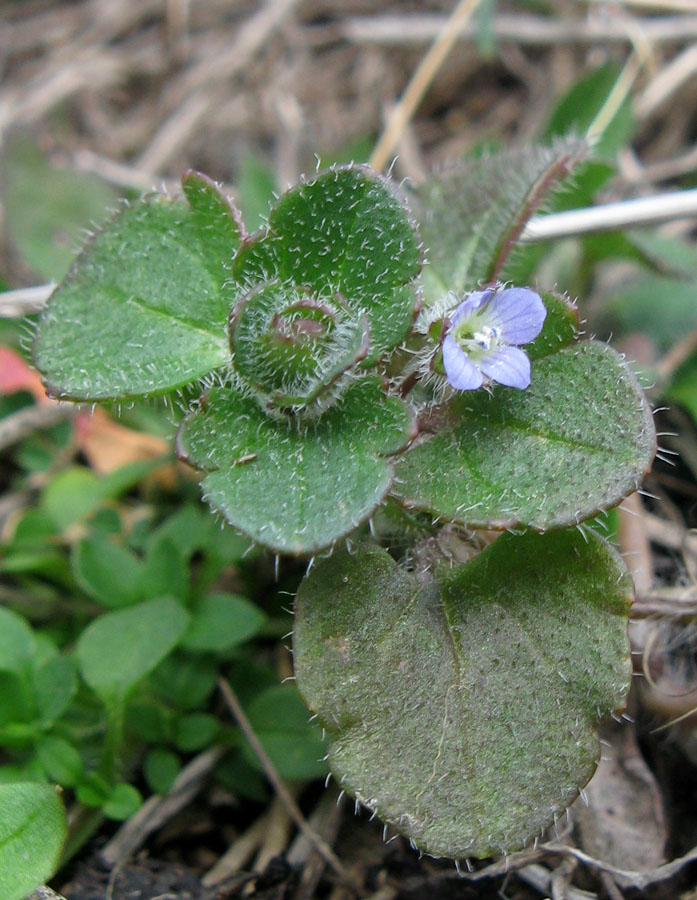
[(577, 441), (143, 309), (318, 482), (343, 232), (463, 707)]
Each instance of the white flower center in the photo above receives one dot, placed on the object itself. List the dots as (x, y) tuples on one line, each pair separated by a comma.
[(485, 338)]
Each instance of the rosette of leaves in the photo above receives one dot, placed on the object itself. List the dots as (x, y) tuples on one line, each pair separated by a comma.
[(293, 347), (284, 325)]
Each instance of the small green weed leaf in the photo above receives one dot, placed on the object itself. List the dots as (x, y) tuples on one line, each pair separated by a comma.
[(161, 768), (345, 231), (241, 778), (659, 306), (222, 621), (282, 724), (120, 648), (187, 529), (186, 681), (32, 832), (165, 571), (577, 109), (139, 313), (123, 801), (319, 483), (195, 731), (17, 644), (47, 208), (150, 720), (107, 572), (666, 253), (93, 790), (464, 709), (683, 387), (77, 492), (16, 705), (577, 441), (470, 215), (60, 760), (55, 685)]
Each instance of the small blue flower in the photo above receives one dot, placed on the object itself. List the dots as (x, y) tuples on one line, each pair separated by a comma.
[(484, 338)]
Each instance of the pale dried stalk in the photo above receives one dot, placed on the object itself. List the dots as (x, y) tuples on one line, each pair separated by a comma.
[(324, 850), (519, 29), (420, 81), (160, 809)]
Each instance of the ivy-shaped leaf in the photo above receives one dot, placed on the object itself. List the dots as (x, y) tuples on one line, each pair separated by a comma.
[(144, 308), (344, 232), (577, 441), (463, 707), (296, 489)]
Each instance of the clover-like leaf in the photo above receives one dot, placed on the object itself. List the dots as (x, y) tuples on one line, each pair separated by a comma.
[(463, 707), (343, 232), (296, 489), (577, 441), (471, 214), (144, 308)]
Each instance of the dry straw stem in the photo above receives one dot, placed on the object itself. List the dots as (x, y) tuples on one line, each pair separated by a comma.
[(524, 30), (238, 854), (45, 893), (324, 850), (420, 81), (160, 809), (21, 424), (613, 216)]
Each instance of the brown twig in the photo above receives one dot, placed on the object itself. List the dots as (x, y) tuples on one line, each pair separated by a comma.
[(291, 806)]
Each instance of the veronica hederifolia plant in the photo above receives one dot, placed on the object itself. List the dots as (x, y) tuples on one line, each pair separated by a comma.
[(461, 701)]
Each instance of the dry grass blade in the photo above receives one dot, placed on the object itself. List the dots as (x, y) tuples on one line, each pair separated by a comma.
[(158, 810), (291, 806), (419, 82)]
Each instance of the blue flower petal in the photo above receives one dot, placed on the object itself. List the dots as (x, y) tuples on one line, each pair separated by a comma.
[(518, 314), (469, 306), (507, 365), (461, 372)]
